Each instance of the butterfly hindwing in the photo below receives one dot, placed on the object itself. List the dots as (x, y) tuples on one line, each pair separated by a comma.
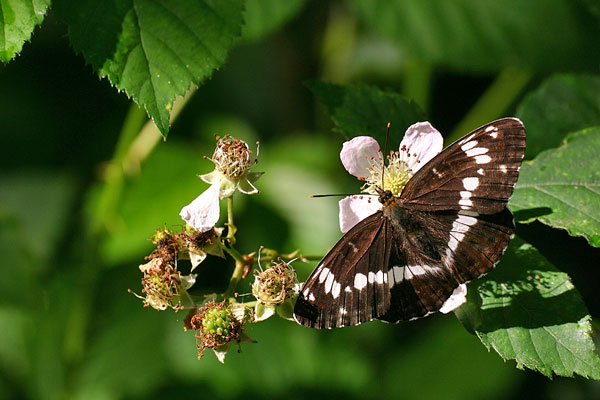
[(434, 252), (347, 287), (477, 172)]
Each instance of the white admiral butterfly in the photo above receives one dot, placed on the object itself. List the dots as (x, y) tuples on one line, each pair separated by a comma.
[(449, 225)]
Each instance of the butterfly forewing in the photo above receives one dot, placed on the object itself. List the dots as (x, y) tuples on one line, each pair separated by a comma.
[(449, 226), (477, 172)]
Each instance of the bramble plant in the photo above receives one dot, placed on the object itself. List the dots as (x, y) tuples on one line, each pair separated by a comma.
[(91, 90), (218, 318)]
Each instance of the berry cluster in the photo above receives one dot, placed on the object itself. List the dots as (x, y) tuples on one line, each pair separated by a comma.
[(216, 325)]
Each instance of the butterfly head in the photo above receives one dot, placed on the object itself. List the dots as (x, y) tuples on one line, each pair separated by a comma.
[(386, 197)]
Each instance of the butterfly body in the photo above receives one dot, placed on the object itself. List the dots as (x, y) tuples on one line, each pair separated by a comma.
[(449, 225)]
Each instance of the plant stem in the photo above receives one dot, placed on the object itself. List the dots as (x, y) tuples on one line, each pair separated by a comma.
[(417, 82), (133, 147), (235, 278), (501, 94), (230, 226), (234, 253)]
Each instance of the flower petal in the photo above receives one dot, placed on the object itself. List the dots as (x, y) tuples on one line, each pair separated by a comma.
[(357, 153), (458, 298), (354, 209), (423, 140), (203, 213)]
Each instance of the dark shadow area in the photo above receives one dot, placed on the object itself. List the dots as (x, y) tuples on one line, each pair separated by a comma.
[(530, 213)]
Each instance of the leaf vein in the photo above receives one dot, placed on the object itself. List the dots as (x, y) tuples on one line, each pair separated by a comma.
[(198, 39), (176, 56), (568, 204), (556, 339), (150, 81), (593, 191)]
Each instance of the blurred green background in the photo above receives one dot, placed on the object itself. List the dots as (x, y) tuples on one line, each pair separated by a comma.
[(68, 327)]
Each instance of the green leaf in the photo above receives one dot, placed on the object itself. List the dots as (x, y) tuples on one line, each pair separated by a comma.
[(530, 312), (18, 18), (365, 110), (487, 35), (154, 50), (561, 187), (262, 17), (561, 105)]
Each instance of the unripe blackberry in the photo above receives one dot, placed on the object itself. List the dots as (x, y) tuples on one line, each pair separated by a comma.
[(216, 325)]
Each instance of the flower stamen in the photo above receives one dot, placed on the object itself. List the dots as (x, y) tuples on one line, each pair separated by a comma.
[(392, 177)]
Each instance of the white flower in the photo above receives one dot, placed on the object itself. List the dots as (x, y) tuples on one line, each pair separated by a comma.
[(233, 160), (459, 296), (362, 158)]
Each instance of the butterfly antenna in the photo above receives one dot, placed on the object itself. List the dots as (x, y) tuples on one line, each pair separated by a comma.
[(313, 196), (385, 149)]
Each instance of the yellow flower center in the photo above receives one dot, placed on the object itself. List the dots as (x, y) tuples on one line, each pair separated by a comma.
[(392, 177)]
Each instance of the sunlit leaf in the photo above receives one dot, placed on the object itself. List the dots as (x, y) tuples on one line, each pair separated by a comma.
[(18, 18), (561, 105), (154, 50), (561, 187), (530, 312)]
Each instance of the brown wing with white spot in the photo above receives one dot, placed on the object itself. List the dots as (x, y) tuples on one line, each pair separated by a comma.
[(434, 252), (477, 172), (349, 286)]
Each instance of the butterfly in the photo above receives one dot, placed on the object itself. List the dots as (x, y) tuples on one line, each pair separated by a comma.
[(448, 226)]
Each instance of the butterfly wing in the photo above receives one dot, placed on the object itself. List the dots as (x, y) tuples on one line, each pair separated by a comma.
[(434, 252), (349, 286), (401, 264), (477, 172), (450, 225)]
